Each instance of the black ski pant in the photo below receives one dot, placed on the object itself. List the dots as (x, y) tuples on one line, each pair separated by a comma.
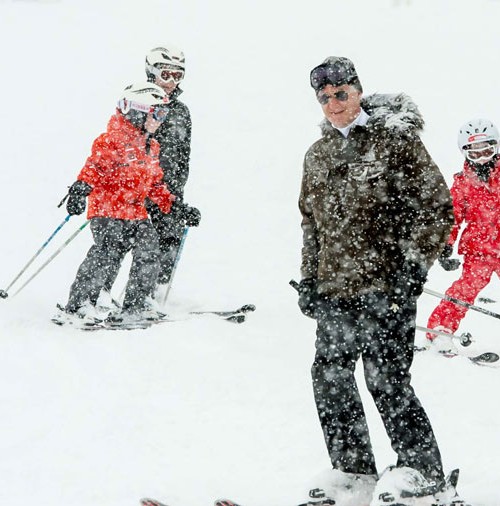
[(169, 229), (113, 239), (366, 326)]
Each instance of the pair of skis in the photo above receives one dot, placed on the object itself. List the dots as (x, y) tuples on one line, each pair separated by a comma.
[(153, 502), (237, 315), (317, 496), (228, 502)]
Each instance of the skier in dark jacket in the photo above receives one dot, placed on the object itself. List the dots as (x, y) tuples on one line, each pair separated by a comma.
[(376, 212), (165, 67)]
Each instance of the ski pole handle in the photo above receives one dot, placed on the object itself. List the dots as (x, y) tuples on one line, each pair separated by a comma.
[(4, 293)]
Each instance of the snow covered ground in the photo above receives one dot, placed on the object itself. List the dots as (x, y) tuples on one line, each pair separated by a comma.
[(191, 411)]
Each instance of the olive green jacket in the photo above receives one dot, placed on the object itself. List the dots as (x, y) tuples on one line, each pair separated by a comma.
[(371, 201)]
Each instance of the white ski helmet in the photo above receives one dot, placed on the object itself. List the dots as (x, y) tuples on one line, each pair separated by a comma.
[(164, 57), (477, 130), (142, 97)]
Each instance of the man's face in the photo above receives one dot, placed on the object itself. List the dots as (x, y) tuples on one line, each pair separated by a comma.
[(340, 104)]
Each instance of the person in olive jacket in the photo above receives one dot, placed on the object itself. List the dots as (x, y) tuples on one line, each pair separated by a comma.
[(376, 213)]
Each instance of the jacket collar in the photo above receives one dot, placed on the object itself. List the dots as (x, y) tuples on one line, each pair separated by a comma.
[(361, 120), (396, 112), (470, 173)]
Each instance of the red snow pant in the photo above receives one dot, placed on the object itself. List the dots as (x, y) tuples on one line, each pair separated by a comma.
[(476, 274)]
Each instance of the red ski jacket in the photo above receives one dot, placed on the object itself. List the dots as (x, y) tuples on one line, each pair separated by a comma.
[(478, 205), (123, 173)]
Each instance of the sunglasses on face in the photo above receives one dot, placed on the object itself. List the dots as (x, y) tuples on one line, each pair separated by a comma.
[(165, 74), (324, 98)]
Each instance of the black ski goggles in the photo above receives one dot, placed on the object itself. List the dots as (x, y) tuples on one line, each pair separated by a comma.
[(336, 75)]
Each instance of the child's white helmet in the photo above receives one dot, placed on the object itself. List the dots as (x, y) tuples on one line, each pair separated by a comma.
[(474, 138), (477, 130), (141, 97)]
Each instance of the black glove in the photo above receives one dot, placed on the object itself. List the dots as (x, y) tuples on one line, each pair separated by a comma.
[(190, 215), (447, 263), (77, 194), (308, 296), (410, 281)]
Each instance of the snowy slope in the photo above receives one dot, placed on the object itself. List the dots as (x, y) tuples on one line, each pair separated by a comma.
[(195, 410)]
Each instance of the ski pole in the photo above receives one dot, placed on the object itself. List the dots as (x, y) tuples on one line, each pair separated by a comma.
[(462, 303), (174, 268), (47, 262), (4, 293)]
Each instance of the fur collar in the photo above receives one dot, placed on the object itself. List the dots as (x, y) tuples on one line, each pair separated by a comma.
[(396, 112)]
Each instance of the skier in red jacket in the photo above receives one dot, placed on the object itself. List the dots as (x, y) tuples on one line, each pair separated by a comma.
[(121, 172), (476, 202)]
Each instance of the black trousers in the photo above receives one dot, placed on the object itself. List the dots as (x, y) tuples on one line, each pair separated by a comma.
[(366, 326), (169, 228), (113, 240)]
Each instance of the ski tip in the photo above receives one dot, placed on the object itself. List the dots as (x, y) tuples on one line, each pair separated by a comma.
[(3, 294), (247, 308), (485, 358), (225, 502), (237, 318), (146, 501)]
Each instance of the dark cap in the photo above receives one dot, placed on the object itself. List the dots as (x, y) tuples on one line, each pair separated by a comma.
[(335, 70)]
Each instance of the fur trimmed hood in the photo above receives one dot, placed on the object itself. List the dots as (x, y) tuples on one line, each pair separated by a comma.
[(395, 112)]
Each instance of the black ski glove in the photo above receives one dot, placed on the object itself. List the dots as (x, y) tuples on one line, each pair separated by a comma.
[(190, 215), (77, 194), (308, 296), (447, 263), (410, 281)]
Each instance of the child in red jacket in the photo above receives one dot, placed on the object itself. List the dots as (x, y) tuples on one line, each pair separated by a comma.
[(476, 202), (121, 172)]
